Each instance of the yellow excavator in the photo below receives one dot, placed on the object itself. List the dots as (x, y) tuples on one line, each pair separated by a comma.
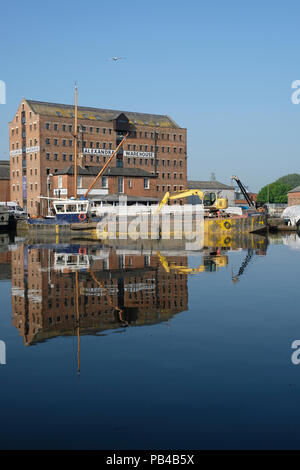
[(210, 200), (210, 264)]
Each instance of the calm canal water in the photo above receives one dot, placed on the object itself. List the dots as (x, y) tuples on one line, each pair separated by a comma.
[(144, 347)]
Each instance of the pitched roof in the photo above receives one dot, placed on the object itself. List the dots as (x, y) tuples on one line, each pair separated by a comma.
[(4, 169), (112, 171), (295, 190), (207, 185), (99, 114)]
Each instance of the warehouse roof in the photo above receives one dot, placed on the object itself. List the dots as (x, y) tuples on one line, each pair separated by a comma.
[(4, 169), (207, 185), (295, 190), (112, 171), (99, 114)]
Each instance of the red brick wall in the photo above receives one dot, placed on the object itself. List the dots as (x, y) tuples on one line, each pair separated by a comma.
[(137, 185), (293, 199), (4, 190)]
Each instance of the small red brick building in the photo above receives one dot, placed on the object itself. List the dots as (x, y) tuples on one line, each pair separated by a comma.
[(241, 200), (114, 181), (4, 181), (294, 196)]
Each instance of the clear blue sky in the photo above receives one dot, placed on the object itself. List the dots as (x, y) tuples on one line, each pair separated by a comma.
[(222, 69)]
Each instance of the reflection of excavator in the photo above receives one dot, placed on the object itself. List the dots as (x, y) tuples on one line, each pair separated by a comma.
[(210, 264), (210, 200), (244, 265), (249, 256)]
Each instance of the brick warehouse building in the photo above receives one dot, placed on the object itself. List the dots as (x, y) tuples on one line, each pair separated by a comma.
[(294, 196), (42, 144), (4, 181)]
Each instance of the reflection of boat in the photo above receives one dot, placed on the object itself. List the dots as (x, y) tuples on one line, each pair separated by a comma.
[(69, 262)]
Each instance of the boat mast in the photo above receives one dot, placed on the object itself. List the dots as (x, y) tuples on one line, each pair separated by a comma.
[(75, 146)]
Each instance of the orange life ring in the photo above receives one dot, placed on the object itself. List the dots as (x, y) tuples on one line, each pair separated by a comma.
[(81, 216), (82, 251)]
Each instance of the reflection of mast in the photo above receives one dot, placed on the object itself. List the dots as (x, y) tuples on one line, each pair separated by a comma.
[(78, 320), (116, 307)]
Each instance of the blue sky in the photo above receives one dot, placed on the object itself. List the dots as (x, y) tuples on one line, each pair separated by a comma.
[(221, 69)]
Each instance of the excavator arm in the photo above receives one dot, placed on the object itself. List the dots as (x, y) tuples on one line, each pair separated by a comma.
[(179, 195), (218, 204)]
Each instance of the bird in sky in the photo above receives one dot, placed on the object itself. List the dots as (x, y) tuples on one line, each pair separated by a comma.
[(116, 59)]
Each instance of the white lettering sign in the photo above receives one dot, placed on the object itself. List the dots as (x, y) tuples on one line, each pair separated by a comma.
[(13, 153), (32, 149), (98, 151), (128, 153)]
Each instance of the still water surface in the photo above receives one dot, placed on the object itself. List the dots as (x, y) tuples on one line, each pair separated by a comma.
[(132, 348)]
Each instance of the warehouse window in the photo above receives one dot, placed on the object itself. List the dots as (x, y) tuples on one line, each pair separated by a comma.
[(104, 182), (121, 184), (146, 183)]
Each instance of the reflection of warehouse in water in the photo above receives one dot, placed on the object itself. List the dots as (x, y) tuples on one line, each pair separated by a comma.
[(114, 290)]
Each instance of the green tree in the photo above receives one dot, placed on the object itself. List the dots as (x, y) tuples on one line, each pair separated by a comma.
[(275, 193), (292, 180)]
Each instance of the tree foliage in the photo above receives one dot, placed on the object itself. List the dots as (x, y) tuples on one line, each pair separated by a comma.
[(275, 193), (292, 180)]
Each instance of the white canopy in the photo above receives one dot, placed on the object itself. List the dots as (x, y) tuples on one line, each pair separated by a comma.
[(292, 213)]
